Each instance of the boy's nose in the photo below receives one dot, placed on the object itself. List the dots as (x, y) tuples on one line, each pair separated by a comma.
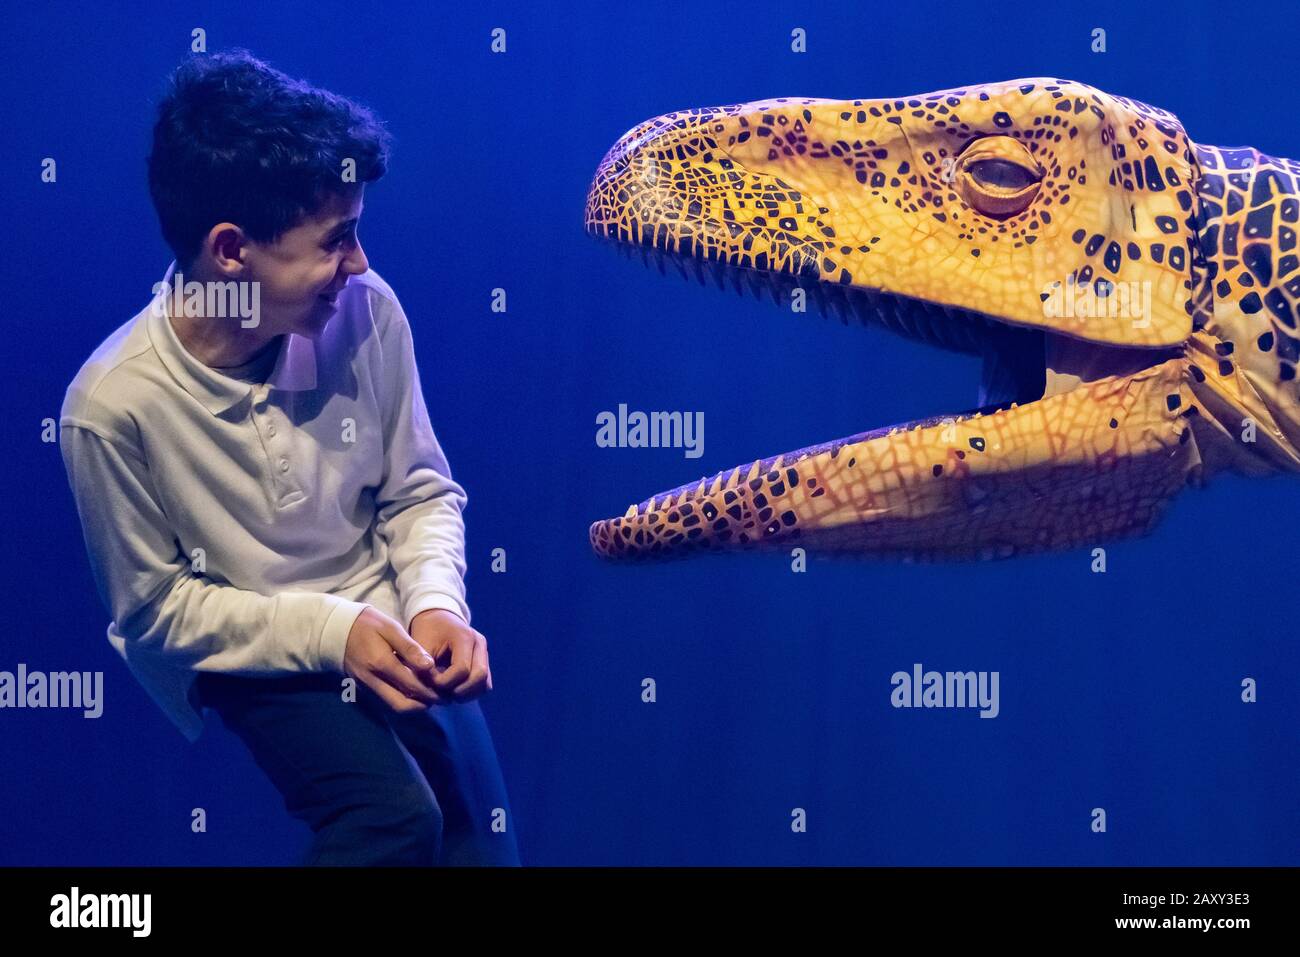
[(355, 263)]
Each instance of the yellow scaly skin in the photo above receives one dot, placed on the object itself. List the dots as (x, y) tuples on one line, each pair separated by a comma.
[(916, 212)]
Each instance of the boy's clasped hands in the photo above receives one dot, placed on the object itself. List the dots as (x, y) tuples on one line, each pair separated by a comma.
[(441, 660)]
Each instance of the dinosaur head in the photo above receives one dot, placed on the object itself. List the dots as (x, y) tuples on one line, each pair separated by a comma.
[(1043, 224)]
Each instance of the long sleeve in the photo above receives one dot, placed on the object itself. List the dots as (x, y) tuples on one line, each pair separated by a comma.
[(419, 504), (164, 609)]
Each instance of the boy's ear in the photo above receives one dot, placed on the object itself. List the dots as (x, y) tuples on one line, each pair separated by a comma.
[(225, 245)]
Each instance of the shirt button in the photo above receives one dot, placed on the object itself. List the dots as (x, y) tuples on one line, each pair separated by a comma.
[(284, 465), (270, 430)]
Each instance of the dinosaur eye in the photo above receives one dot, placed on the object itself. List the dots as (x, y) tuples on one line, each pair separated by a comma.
[(997, 176)]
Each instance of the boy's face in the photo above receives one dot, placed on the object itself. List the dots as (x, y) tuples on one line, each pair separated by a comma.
[(302, 272)]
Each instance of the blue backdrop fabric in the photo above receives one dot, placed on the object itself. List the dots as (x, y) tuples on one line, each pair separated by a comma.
[(1119, 691)]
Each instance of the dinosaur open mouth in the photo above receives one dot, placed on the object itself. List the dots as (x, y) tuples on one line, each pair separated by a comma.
[(1023, 368), (1020, 364)]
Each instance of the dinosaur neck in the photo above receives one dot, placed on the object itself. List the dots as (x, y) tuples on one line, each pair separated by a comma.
[(1246, 299)]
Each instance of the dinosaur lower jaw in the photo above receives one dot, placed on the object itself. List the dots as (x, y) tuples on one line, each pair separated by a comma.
[(1084, 465)]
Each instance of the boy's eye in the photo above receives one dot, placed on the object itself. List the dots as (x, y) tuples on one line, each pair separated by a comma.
[(338, 240)]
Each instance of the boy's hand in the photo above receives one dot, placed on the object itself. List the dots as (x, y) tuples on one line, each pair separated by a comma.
[(461, 654), (383, 657)]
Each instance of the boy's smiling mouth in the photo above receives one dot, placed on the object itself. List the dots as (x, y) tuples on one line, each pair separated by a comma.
[(331, 296)]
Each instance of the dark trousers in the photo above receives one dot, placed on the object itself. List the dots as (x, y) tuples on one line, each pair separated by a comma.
[(376, 787)]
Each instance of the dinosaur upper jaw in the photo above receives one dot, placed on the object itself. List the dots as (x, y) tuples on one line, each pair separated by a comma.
[(869, 195), (1084, 430)]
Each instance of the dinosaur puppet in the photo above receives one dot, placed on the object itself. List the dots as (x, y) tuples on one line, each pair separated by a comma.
[(1133, 295)]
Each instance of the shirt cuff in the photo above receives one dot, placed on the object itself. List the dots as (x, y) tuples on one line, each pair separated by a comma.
[(334, 634), (418, 603)]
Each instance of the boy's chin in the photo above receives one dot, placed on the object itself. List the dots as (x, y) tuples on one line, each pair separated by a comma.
[(314, 320)]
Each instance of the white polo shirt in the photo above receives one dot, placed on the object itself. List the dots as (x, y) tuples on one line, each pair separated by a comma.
[(240, 527)]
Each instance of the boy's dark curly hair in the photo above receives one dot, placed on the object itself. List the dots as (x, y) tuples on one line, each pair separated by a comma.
[(238, 141)]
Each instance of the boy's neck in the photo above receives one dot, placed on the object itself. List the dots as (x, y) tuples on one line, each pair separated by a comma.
[(219, 342)]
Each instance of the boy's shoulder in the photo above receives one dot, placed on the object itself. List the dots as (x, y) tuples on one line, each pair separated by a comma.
[(97, 398), (373, 281), (375, 311), (384, 307)]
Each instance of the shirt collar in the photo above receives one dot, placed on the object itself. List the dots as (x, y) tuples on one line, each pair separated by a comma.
[(295, 366)]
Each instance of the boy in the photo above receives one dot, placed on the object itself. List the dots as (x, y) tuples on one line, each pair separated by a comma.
[(266, 508)]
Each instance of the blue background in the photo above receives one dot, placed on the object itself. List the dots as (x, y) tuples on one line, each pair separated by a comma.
[(1119, 691)]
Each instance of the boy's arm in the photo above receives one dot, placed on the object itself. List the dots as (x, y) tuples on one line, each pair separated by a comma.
[(160, 606), (419, 504)]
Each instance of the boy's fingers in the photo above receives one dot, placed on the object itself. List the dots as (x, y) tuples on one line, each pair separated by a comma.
[(391, 696), (401, 669), (462, 653), (480, 672), (406, 682), (409, 650)]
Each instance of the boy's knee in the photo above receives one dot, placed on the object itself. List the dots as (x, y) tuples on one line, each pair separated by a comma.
[(419, 836), (415, 832)]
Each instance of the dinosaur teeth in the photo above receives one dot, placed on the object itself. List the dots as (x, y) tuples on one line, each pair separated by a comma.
[(949, 327), (819, 297), (842, 308), (907, 322)]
